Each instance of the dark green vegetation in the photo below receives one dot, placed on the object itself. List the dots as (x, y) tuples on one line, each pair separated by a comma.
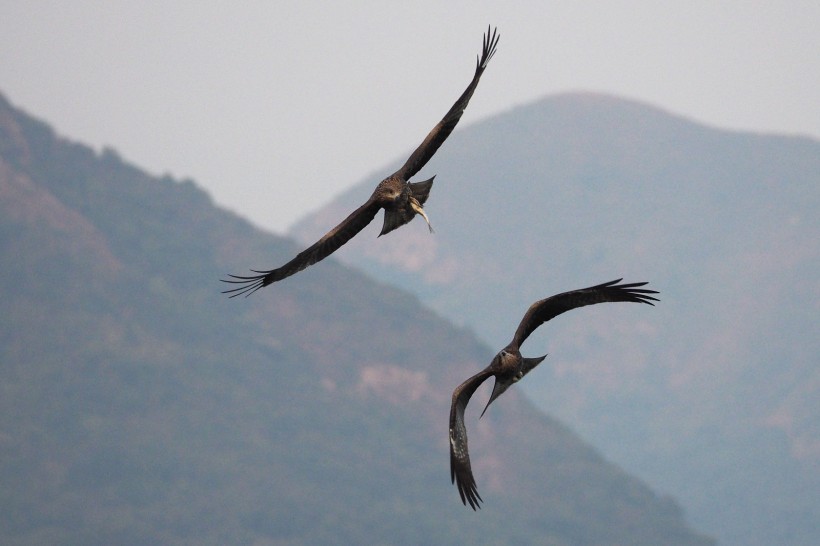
[(138, 405), (714, 396)]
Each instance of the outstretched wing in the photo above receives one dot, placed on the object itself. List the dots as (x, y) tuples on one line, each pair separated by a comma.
[(460, 471), (542, 311), (320, 250), (440, 132)]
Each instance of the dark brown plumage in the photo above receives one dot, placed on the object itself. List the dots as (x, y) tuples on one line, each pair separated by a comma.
[(400, 199), (508, 366)]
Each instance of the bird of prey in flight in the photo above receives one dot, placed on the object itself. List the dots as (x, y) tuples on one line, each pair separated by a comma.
[(508, 366), (400, 198)]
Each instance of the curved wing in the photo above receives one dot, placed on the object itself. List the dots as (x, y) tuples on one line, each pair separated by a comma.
[(440, 132), (320, 250), (460, 471), (543, 310)]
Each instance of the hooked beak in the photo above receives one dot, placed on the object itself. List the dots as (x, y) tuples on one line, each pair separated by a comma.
[(416, 206)]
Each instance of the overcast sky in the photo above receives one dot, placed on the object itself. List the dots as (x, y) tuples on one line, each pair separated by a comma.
[(275, 107)]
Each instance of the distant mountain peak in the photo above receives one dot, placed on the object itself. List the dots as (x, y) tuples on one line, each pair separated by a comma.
[(577, 188)]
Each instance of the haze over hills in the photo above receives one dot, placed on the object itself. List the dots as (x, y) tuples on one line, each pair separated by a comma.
[(141, 406), (715, 398)]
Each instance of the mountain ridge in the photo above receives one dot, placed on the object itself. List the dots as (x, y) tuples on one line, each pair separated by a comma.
[(141, 406), (576, 189)]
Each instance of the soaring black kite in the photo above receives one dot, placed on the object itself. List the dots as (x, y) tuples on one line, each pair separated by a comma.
[(508, 366), (400, 199)]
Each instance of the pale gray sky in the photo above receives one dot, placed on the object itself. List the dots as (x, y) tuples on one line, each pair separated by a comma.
[(274, 107)]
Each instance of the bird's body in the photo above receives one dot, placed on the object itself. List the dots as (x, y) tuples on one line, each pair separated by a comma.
[(508, 367), (400, 198)]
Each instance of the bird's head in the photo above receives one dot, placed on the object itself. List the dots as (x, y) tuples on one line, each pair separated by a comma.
[(507, 361)]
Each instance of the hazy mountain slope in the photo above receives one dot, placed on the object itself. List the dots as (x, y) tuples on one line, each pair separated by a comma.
[(138, 405), (715, 397)]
